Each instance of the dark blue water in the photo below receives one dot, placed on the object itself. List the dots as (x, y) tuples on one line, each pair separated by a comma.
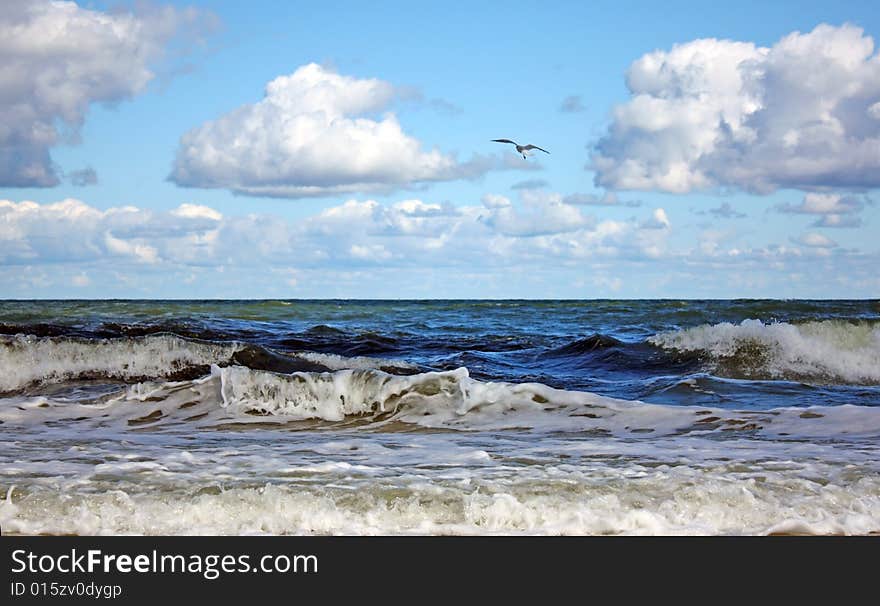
[(599, 346)]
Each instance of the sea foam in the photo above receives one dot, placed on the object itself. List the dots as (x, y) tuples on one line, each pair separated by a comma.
[(828, 351), (659, 501), (27, 360), (449, 400)]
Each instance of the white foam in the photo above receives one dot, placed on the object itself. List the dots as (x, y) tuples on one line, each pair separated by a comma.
[(332, 396), (448, 399), (277, 481), (443, 400), (337, 362), (828, 350), (637, 501), (454, 400), (27, 360)]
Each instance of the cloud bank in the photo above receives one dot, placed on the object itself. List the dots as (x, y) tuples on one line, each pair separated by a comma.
[(407, 233), (536, 247)]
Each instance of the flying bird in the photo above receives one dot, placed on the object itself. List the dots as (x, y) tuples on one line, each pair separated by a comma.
[(522, 149)]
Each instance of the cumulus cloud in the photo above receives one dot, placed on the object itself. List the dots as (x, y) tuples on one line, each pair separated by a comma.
[(658, 220), (543, 215), (719, 113), (196, 211), (59, 58), (316, 133)]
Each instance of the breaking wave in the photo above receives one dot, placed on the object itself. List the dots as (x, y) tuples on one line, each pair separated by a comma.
[(829, 351), (29, 360), (656, 502), (451, 400)]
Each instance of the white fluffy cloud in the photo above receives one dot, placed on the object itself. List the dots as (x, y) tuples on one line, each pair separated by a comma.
[(708, 113), (315, 133), (57, 59), (543, 215), (658, 220)]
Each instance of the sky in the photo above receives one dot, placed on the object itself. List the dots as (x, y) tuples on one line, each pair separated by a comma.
[(220, 149)]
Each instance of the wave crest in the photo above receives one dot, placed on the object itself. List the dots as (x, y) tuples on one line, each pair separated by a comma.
[(828, 351), (29, 360), (333, 396), (451, 400)]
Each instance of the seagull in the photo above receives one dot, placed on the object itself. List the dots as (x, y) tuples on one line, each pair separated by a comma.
[(522, 149)]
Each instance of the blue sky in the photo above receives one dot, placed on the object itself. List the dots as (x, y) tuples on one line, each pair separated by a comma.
[(697, 150)]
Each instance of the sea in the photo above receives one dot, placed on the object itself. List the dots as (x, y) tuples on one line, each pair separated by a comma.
[(349, 417)]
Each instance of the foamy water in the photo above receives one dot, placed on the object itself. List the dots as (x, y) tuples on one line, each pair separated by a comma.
[(436, 483), (830, 350), (739, 427)]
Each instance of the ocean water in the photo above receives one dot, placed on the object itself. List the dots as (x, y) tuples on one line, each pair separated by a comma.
[(439, 417)]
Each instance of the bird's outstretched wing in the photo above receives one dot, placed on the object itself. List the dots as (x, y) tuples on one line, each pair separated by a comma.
[(530, 146), (504, 141)]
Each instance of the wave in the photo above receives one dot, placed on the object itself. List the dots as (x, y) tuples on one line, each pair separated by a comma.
[(827, 351), (29, 360), (454, 400), (337, 362), (675, 500), (321, 337), (451, 400), (190, 329), (330, 339), (32, 361), (589, 344)]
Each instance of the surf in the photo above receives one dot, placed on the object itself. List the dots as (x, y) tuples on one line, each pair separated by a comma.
[(32, 361), (826, 351)]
